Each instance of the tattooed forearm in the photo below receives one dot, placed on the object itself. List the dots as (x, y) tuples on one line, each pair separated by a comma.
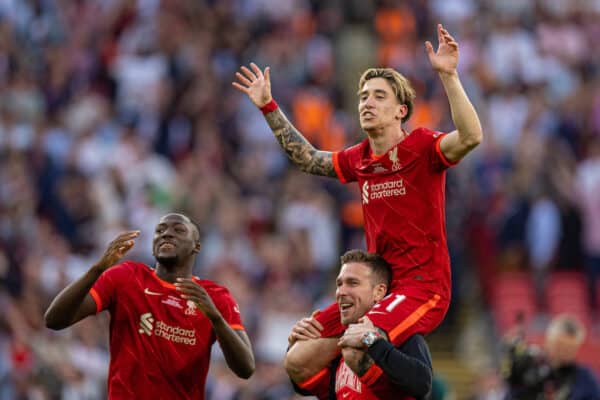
[(298, 149), (364, 365), (357, 360)]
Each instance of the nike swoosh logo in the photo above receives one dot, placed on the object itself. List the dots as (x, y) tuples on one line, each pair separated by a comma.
[(147, 291)]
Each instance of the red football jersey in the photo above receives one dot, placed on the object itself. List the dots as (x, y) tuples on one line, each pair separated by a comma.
[(404, 207), (159, 343), (348, 386)]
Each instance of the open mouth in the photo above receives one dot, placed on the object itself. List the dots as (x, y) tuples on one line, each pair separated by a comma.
[(368, 115), (345, 307)]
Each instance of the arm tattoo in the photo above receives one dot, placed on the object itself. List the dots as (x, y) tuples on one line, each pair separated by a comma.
[(364, 364), (298, 149)]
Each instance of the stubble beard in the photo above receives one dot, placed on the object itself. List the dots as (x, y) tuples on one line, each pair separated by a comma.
[(168, 261)]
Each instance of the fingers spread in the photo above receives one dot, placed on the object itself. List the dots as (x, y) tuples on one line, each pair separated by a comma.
[(256, 70), (240, 87), (243, 79), (123, 237), (428, 47), (249, 74)]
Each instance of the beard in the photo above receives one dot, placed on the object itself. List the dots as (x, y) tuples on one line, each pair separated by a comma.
[(168, 261)]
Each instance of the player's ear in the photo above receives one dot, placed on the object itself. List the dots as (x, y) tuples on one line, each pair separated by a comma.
[(197, 247), (401, 111), (380, 291)]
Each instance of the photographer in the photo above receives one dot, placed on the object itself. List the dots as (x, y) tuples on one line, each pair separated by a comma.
[(551, 373)]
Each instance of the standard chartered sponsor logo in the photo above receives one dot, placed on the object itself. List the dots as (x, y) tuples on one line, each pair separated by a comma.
[(168, 332), (146, 321), (175, 333), (382, 190)]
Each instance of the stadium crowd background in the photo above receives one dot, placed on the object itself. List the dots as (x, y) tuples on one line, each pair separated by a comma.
[(113, 112)]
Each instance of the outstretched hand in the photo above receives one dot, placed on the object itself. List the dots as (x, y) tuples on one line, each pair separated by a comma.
[(117, 249), (445, 59), (255, 83)]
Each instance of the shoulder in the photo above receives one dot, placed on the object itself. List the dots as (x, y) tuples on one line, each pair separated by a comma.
[(425, 135), (129, 268), (415, 340), (212, 288)]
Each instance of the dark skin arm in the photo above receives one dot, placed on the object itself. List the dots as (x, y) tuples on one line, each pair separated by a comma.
[(74, 302), (235, 344), (257, 85)]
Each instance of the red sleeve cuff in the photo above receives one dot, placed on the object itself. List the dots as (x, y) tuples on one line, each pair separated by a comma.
[(336, 166), (371, 376), (441, 155), (97, 299), (310, 382)]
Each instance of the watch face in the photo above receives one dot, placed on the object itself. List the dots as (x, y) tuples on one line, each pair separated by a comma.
[(369, 338)]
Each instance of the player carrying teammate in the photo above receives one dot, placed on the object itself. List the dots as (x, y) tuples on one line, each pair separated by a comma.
[(163, 320), (402, 179), (364, 280)]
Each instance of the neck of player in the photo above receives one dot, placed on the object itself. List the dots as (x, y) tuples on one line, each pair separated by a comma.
[(171, 273), (382, 139)]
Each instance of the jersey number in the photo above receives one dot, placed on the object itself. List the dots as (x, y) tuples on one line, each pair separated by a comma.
[(398, 298)]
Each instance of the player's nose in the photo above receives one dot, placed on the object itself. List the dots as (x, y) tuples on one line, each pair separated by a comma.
[(369, 102), (341, 291), (167, 233)]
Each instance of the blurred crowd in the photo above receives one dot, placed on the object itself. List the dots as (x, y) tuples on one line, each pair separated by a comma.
[(114, 112)]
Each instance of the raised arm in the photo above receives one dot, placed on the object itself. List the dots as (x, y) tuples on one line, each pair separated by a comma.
[(468, 133), (257, 85), (74, 302)]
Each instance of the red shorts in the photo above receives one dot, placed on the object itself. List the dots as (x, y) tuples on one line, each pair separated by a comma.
[(401, 314)]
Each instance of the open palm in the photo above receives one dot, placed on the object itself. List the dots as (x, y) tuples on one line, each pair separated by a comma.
[(255, 83), (445, 59)]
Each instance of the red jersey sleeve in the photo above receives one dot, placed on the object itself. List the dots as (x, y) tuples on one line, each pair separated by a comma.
[(318, 385), (228, 307), (104, 291), (346, 162), (438, 159)]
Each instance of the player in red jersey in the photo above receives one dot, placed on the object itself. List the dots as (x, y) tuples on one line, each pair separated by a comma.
[(163, 320), (363, 280), (401, 176)]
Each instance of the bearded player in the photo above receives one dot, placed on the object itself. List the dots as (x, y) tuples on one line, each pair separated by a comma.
[(402, 177), (164, 321)]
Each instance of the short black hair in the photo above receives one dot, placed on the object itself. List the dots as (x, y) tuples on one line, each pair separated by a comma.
[(196, 227), (379, 267)]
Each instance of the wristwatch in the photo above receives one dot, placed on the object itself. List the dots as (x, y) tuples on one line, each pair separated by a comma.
[(370, 337)]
